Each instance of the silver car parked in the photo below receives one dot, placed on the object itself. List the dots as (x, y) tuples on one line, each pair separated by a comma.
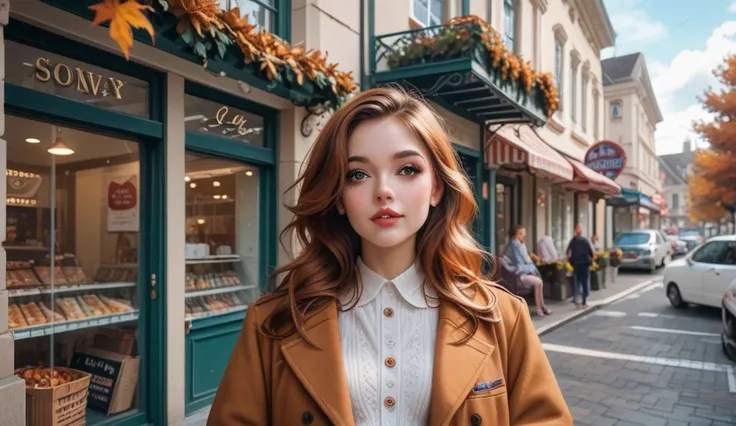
[(644, 249)]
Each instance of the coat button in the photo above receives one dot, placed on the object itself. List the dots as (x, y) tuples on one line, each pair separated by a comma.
[(389, 402), (476, 419), (390, 362), (388, 312), (307, 418)]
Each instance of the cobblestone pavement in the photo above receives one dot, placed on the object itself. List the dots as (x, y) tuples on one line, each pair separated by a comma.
[(641, 362)]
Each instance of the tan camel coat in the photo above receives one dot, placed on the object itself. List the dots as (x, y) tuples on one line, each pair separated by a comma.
[(289, 382)]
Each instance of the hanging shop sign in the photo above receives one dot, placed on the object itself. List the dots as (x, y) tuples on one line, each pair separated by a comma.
[(122, 204), (606, 158), (86, 81)]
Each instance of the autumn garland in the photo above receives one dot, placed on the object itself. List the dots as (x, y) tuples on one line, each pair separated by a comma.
[(209, 31), (459, 37)]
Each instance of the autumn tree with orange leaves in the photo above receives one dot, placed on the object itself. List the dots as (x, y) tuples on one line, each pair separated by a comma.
[(712, 184)]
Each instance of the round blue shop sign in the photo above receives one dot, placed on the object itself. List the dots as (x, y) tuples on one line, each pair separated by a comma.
[(606, 158)]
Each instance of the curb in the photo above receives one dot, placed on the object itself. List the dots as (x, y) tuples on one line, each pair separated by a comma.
[(594, 306)]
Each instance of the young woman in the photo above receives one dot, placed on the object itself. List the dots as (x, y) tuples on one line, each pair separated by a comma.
[(383, 318), (527, 271)]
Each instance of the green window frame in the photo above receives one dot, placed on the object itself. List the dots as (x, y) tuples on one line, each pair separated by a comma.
[(149, 132), (266, 158), (280, 9)]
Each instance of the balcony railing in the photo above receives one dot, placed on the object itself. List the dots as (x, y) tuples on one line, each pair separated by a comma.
[(465, 64)]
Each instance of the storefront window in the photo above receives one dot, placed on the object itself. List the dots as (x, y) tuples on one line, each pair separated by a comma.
[(222, 236), (72, 249), (504, 216), (58, 75), (205, 116)]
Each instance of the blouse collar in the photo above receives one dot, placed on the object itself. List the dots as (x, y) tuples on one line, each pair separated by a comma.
[(408, 283)]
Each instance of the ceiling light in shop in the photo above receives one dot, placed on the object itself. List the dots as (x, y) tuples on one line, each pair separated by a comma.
[(249, 173), (59, 147), (32, 140), (192, 185), (216, 184), (224, 196), (216, 197), (187, 178), (200, 221)]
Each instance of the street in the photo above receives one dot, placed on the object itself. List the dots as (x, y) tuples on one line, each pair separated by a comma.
[(639, 361)]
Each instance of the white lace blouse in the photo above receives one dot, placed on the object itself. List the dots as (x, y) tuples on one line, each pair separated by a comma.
[(388, 349)]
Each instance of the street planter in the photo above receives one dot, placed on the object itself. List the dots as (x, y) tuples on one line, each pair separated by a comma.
[(596, 279), (610, 274), (555, 281)]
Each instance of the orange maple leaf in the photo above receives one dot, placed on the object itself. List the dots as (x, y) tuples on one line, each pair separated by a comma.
[(123, 17)]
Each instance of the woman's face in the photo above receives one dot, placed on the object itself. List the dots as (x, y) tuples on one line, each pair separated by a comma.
[(521, 234), (390, 184)]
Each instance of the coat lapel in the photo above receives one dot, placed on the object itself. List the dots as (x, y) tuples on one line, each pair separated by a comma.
[(320, 367), (457, 367)]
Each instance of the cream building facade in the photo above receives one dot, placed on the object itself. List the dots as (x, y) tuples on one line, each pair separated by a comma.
[(156, 143), (632, 115)]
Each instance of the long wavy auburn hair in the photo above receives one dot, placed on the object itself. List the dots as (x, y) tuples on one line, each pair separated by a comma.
[(326, 267)]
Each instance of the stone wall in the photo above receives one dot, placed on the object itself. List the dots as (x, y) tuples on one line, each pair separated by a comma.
[(12, 389)]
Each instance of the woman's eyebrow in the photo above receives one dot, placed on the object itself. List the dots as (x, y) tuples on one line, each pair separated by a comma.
[(401, 154)]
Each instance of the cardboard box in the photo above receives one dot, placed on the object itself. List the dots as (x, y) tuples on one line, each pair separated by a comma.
[(114, 379)]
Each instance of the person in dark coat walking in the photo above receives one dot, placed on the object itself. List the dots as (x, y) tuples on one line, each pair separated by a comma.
[(580, 255)]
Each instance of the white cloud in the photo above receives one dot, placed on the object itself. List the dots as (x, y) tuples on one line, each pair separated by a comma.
[(635, 27), (732, 8), (681, 79)]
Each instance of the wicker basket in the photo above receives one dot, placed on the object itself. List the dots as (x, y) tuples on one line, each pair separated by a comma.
[(63, 405)]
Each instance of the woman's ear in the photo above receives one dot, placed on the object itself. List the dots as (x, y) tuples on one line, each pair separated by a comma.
[(437, 192), (340, 207)]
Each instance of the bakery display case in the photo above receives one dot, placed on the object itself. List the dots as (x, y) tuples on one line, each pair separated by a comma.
[(71, 262), (221, 268)]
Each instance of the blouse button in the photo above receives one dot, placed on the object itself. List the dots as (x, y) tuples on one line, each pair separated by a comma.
[(307, 418), (390, 343), (390, 362), (388, 312), (389, 402), (476, 419), (390, 383)]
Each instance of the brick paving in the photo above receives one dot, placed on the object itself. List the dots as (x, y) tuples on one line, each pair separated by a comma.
[(618, 392), (564, 310)]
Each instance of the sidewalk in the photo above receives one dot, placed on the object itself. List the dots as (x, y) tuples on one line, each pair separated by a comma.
[(565, 311)]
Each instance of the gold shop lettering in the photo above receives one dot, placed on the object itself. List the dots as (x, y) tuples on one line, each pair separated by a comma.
[(237, 120), (86, 81)]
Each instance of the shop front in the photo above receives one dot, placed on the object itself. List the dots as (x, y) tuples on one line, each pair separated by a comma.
[(633, 210), (464, 81), (83, 244), (141, 208), (523, 160)]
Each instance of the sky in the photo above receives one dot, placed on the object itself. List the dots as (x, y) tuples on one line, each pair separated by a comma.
[(682, 42)]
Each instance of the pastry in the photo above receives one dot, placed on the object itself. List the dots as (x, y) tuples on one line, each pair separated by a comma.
[(15, 317), (95, 304), (50, 315), (70, 308), (33, 314)]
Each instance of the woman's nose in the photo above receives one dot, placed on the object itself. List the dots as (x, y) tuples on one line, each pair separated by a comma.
[(384, 192)]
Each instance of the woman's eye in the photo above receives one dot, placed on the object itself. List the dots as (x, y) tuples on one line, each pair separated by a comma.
[(409, 170), (357, 175)]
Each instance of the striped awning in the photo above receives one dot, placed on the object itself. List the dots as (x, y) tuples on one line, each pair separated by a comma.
[(587, 179), (523, 148)]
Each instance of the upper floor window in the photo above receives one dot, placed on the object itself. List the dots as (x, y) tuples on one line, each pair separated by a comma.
[(263, 13), (596, 115), (509, 21), (559, 66), (574, 93), (616, 110), (584, 104), (427, 12)]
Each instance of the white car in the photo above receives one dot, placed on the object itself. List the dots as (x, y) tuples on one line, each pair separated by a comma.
[(703, 275), (728, 335)]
